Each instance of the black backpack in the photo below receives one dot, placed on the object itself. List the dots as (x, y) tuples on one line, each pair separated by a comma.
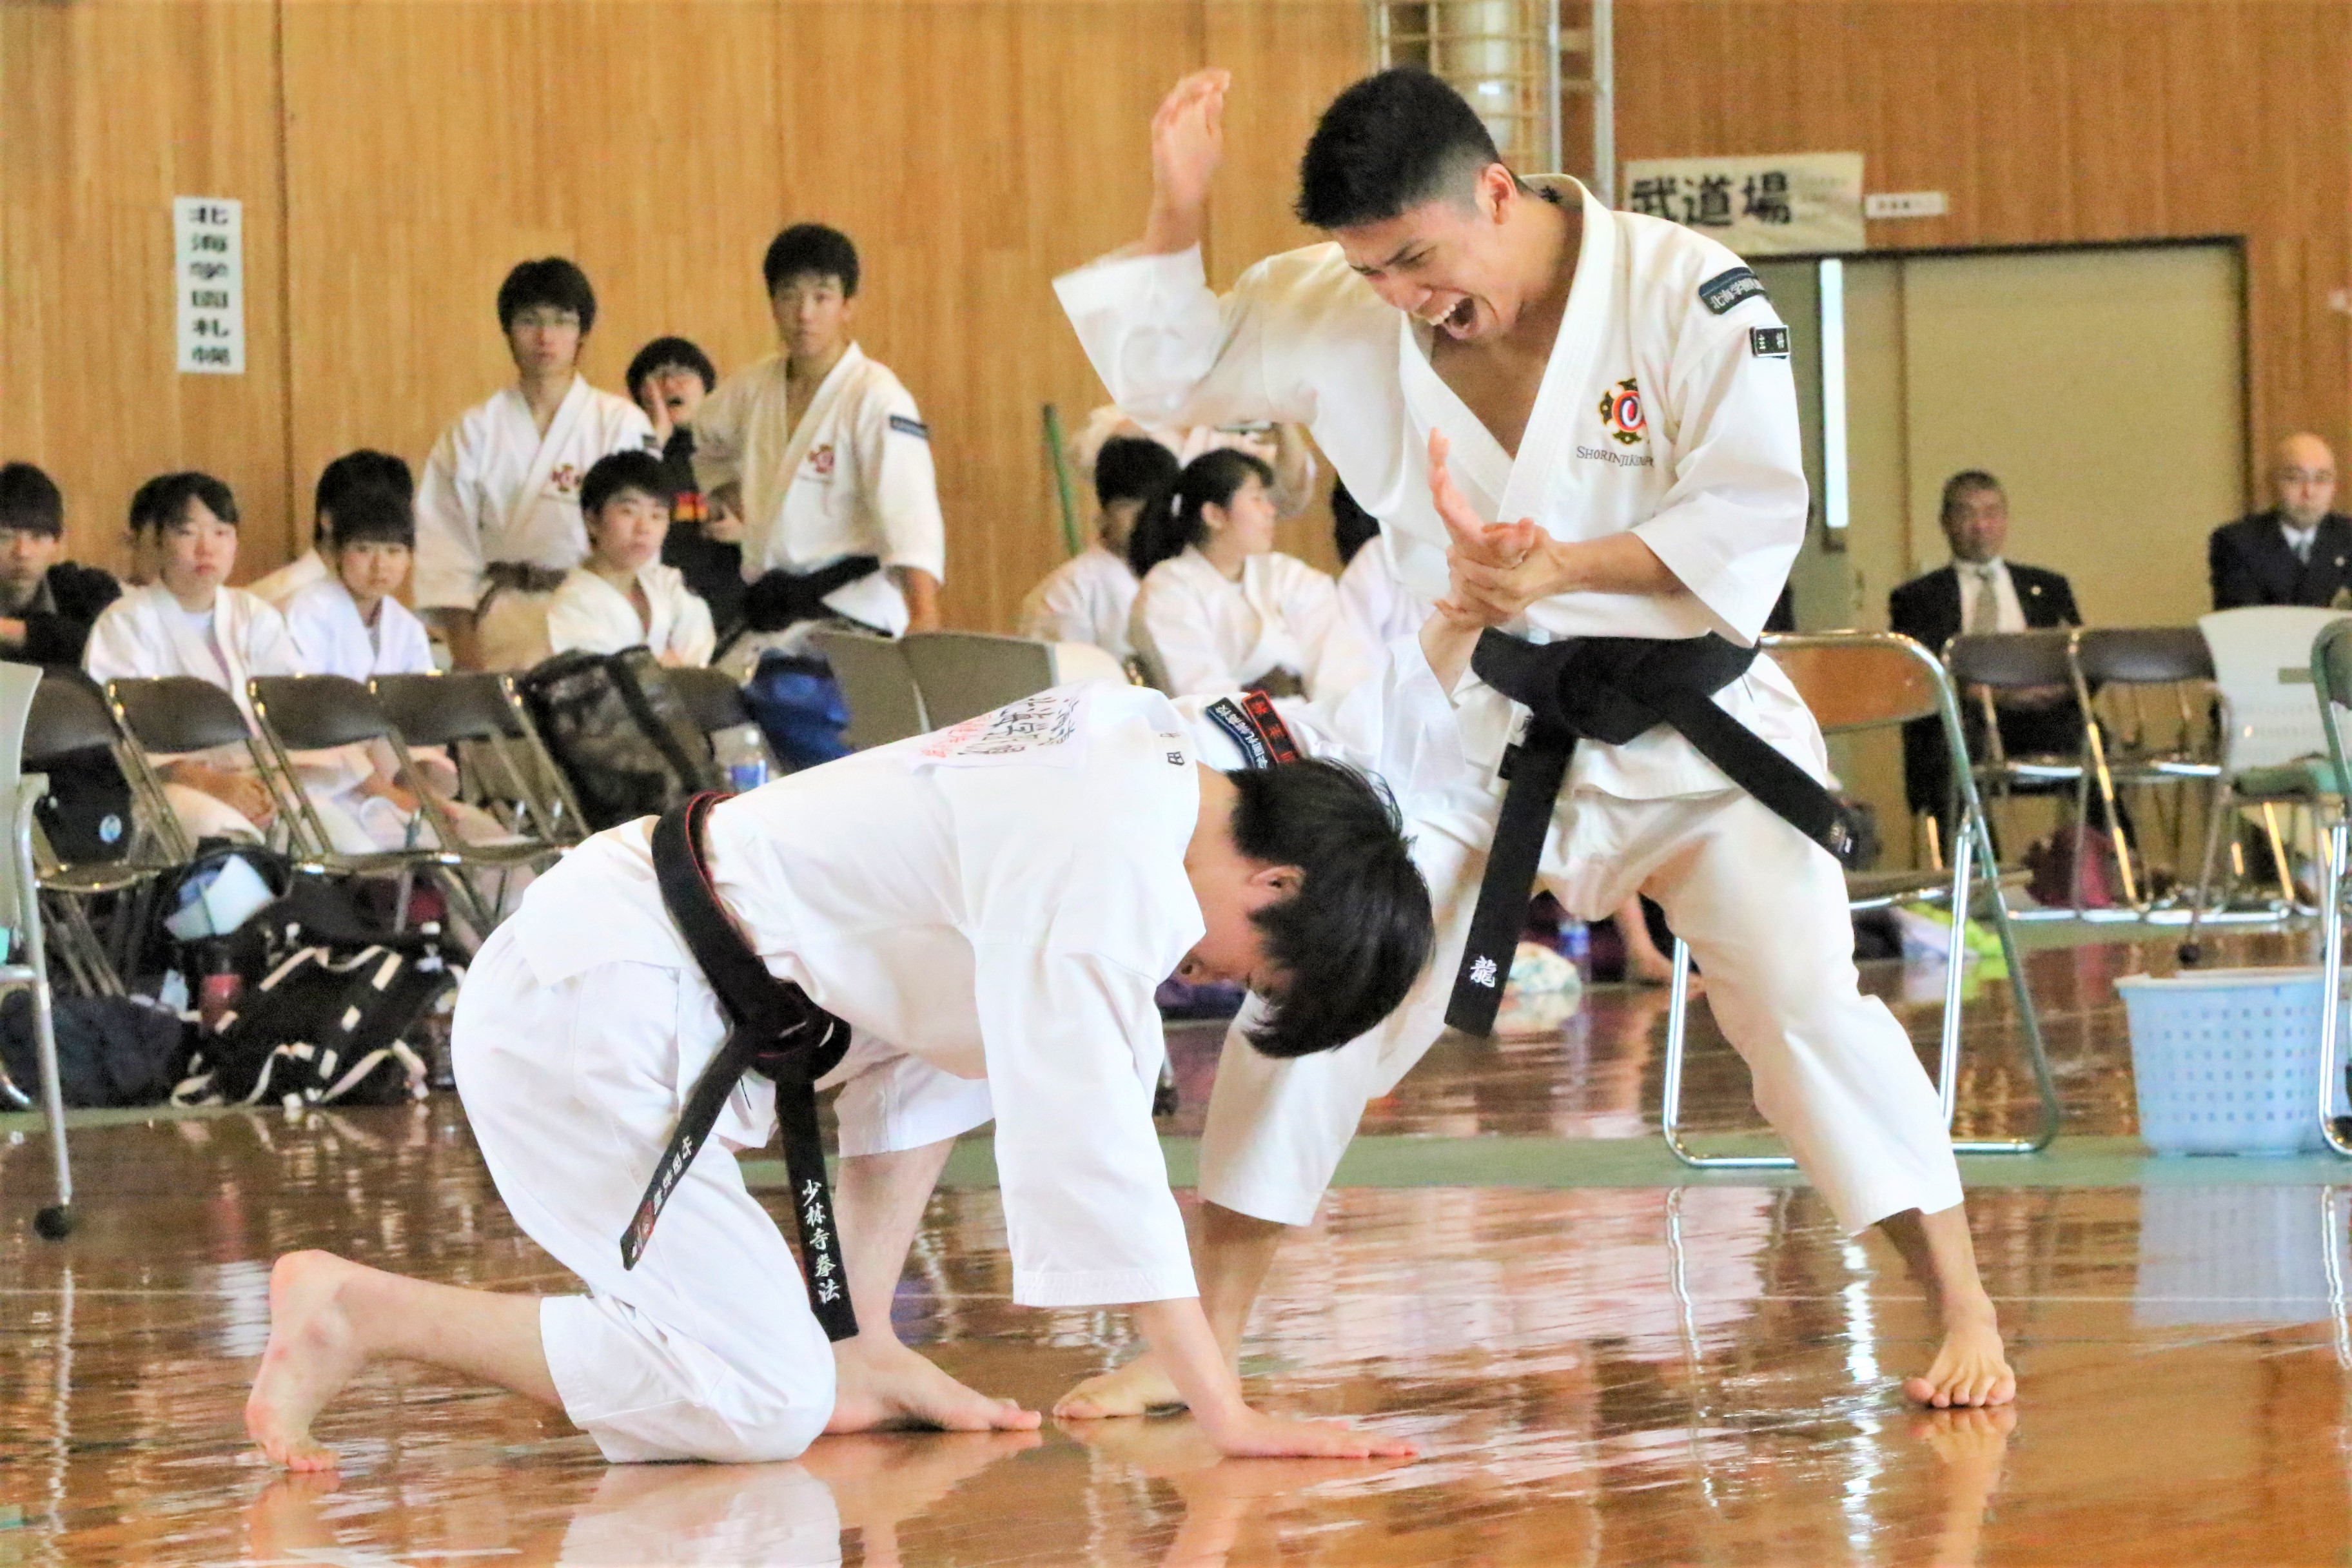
[(322, 1028), (625, 741), (111, 1051), (87, 813)]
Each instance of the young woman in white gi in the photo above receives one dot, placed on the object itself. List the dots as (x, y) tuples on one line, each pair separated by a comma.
[(502, 486), (182, 620), (1623, 383), (831, 455), (990, 908), (1220, 607), (622, 595), (347, 475), (1089, 598)]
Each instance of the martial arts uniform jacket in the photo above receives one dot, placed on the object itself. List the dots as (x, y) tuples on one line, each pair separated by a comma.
[(1087, 598), (495, 490), (853, 477), (1205, 634), (1380, 608), (588, 613), (325, 622), (277, 588)]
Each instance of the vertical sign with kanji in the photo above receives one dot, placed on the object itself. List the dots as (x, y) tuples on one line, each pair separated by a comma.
[(1792, 203), (208, 275)]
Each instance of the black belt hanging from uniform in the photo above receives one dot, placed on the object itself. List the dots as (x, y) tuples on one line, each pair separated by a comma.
[(1610, 689), (778, 598), (773, 1028)]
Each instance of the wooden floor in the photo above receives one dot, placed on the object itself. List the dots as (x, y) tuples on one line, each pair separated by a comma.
[(1596, 1372)]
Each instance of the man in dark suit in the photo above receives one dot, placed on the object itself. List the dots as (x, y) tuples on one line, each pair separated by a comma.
[(2298, 553), (1979, 592), (46, 605)]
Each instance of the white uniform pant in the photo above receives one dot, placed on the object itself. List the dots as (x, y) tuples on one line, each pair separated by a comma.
[(706, 1349), (1764, 912)]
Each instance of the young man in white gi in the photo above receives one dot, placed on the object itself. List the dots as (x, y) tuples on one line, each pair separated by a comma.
[(499, 502), (987, 909), (622, 596), (343, 478), (1623, 383)]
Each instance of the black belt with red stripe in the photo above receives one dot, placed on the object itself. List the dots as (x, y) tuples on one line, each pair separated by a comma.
[(1611, 689), (773, 1028)]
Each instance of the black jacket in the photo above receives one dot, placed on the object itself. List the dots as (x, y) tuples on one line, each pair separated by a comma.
[(2249, 562), (56, 635), (1926, 609)]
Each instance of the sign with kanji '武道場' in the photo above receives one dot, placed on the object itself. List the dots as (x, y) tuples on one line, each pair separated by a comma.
[(1778, 204)]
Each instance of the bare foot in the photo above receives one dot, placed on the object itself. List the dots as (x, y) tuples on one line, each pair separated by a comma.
[(882, 1383), (312, 1353), (1969, 1369), (1136, 1389)]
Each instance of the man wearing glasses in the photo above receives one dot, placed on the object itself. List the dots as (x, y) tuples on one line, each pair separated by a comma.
[(2297, 552)]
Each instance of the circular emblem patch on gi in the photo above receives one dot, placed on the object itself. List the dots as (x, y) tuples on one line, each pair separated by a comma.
[(1621, 411)]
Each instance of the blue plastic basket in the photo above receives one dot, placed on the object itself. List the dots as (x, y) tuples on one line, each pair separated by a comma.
[(2226, 1061)]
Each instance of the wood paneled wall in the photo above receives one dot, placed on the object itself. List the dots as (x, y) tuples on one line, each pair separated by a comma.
[(396, 156)]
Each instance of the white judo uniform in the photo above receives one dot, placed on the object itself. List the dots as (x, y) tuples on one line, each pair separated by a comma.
[(989, 907), (325, 622), (1087, 598), (495, 490), (1376, 601), (1666, 410), (1206, 635), (277, 588), (854, 477), (146, 636), (588, 613)]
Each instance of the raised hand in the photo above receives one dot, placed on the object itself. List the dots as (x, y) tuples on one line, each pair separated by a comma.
[(1497, 570), (1188, 143)]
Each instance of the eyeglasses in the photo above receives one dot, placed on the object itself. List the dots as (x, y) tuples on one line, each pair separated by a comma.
[(2306, 476)]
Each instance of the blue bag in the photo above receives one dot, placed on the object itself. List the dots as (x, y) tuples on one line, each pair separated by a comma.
[(800, 707)]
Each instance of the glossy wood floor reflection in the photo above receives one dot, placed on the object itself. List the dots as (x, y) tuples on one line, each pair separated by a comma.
[(1666, 1376)]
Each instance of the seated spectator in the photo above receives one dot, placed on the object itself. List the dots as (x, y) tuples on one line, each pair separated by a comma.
[(1220, 608), (46, 605), (1089, 598), (669, 378), (622, 595), (349, 623), (2298, 553), (1282, 448), (1979, 593), (339, 480), (1378, 604), (184, 620)]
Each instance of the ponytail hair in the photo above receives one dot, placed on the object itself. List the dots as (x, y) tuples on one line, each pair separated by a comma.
[(1175, 519)]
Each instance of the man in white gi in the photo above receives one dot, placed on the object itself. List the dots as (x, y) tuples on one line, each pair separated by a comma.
[(983, 913), (499, 502), (1622, 384)]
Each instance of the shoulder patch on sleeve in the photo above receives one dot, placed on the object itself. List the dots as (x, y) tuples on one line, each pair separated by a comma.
[(906, 426), (1255, 728), (1725, 289), (1768, 342)]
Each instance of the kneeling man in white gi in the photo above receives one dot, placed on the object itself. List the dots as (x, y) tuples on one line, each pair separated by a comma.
[(1621, 386), (972, 920)]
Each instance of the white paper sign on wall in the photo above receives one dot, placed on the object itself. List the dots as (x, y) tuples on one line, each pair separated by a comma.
[(1781, 204), (208, 275)]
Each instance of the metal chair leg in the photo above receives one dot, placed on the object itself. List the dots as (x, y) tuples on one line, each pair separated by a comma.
[(2191, 950), (2037, 1052), (1670, 1116), (2331, 978), (55, 1222)]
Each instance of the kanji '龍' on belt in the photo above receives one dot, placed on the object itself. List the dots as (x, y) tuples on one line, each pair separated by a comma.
[(773, 1029)]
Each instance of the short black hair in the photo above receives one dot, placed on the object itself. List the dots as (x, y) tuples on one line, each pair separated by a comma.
[(30, 501), (635, 470), (1133, 467), (1352, 940), (1353, 527), (1164, 526), (162, 500), (375, 514), (664, 351), (811, 248), (1386, 146), (1967, 482), (549, 280), (353, 473)]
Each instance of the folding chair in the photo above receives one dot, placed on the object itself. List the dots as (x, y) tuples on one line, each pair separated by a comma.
[(27, 960), (2273, 743), (70, 723), (1863, 681), (964, 674), (2112, 665), (884, 703), (322, 712), (1990, 663), (479, 714), (2331, 675)]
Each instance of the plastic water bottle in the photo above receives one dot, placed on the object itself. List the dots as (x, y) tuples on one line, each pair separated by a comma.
[(742, 756), (1576, 946)]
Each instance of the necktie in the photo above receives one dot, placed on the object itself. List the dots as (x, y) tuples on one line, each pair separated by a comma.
[(1984, 610)]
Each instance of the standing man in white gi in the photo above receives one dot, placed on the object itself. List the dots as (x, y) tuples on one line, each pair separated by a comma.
[(983, 913), (499, 502), (1622, 384)]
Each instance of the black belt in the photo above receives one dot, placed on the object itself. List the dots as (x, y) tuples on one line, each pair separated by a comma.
[(1610, 689), (773, 1028), (778, 598)]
